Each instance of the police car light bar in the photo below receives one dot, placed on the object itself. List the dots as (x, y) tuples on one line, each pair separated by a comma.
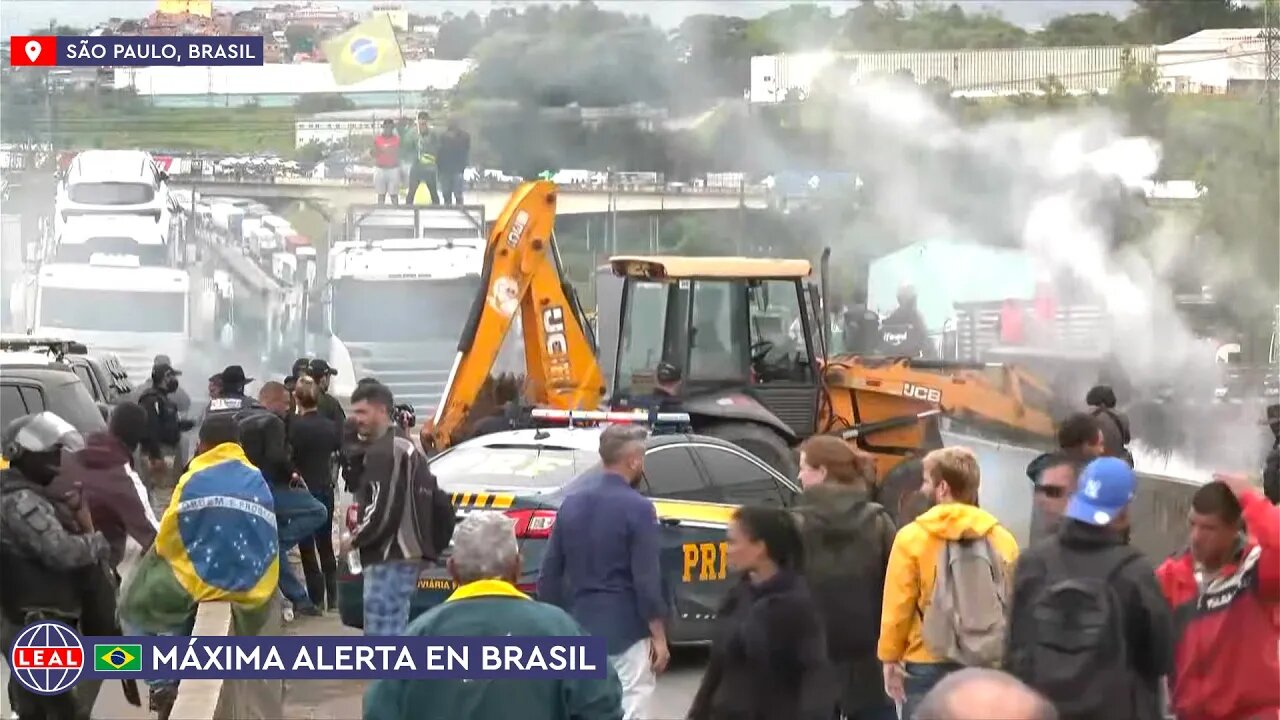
[(603, 416)]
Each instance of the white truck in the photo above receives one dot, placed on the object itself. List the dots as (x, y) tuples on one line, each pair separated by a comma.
[(398, 293), (82, 236), (112, 304)]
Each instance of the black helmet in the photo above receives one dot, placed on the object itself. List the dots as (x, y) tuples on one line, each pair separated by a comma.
[(667, 373), (40, 433)]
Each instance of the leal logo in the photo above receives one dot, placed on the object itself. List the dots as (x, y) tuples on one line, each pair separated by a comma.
[(47, 658)]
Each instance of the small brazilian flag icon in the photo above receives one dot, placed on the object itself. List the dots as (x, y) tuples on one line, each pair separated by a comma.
[(117, 658)]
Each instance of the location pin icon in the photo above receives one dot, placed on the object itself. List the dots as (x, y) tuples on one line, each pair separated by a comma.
[(33, 50)]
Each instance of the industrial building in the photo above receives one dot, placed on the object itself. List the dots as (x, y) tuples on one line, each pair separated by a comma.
[(1212, 61), (970, 73), (282, 85), (341, 126)]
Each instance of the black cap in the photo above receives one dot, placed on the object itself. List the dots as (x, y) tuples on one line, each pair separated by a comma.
[(667, 373), (300, 365), (319, 368), (233, 376), (159, 370)]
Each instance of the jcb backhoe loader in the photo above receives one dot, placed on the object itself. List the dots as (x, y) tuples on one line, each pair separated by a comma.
[(747, 377)]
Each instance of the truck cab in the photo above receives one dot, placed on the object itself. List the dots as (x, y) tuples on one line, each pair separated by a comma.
[(113, 304), (85, 236), (396, 297)]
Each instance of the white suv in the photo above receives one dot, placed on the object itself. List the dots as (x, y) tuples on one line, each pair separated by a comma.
[(113, 182)]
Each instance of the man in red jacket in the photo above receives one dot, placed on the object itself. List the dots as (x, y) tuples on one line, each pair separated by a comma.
[(1225, 593)]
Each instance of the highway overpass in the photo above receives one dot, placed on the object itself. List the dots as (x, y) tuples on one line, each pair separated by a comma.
[(338, 195)]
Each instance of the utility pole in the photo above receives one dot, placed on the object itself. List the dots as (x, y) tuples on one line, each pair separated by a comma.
[(1271, 68)]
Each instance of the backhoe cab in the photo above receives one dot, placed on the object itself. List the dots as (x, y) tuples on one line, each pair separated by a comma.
[(744, 333), (748, 336)]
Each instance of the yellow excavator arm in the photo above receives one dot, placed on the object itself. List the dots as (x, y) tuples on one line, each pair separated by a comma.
[(522, 274)]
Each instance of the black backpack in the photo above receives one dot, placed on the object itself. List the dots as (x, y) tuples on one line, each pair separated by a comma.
[(1079, 656), (432, 512)]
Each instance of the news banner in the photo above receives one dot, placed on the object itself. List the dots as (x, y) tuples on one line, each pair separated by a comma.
[(134, 51), (50, 657)]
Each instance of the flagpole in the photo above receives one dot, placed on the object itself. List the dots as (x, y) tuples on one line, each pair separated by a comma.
[(400, 70)]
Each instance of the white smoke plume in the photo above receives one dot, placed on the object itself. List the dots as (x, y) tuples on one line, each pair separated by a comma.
[(1054, 185)]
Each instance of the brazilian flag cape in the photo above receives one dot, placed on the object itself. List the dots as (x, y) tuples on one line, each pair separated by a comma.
[(217, 541)]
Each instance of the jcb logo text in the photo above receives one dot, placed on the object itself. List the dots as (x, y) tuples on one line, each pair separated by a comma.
[(921, 393), (556, 343)]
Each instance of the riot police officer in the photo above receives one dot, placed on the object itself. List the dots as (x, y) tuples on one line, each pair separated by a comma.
[(53, 560)]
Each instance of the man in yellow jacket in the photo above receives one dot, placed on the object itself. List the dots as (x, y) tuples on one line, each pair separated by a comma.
[(951, 480)]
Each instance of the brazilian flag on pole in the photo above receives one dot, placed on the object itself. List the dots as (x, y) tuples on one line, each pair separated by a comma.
[(366, 50)]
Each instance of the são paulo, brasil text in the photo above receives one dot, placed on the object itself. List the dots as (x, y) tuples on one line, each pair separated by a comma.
[(192, 50), (366, 658)]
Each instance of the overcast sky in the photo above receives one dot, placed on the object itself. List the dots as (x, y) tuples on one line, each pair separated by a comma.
[(20, 16)]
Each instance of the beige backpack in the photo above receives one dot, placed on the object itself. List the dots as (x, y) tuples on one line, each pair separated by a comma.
[(966, 618)]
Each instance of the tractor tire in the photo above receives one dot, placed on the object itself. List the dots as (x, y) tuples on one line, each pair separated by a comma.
[(759, 441), (899, 491)]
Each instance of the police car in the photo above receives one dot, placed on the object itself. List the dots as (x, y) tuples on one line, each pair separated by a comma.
[(695, 482)]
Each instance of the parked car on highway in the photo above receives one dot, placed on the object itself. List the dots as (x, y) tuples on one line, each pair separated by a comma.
[(34, 380), (695, 482), (103, 376)]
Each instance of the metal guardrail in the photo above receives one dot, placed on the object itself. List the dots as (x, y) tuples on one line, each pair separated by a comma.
[(193, 179)]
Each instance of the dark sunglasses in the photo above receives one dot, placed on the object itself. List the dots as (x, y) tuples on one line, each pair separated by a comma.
[(1051, 491)]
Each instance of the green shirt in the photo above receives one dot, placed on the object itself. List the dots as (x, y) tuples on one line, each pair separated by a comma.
[(408, 144), (493, 608)]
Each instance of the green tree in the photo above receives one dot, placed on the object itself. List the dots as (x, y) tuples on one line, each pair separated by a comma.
[(459, 35), (301, 38), (714, 54), (1087, 29), (322, 102), (1137, 97), (1163, 21)]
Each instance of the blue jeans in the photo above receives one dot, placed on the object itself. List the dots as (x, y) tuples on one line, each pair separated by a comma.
[(176, 632), (921, 677), (388, 589), (298, 515)]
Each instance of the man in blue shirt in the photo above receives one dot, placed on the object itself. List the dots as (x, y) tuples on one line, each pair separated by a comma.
[(602, 566)]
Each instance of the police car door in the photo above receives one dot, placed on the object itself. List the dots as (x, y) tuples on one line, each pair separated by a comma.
[(692, 539)]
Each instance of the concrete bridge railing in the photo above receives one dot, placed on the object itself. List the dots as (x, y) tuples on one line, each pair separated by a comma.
[(229, 699)]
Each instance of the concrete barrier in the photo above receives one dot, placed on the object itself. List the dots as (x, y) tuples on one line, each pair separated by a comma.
[(229, 699), (1158, 514)]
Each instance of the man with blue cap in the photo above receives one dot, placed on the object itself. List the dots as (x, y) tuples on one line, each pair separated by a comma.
[(1089, 627)]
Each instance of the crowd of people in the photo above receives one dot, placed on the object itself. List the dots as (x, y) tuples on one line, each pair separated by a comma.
[(842, 609), (412, 155)]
